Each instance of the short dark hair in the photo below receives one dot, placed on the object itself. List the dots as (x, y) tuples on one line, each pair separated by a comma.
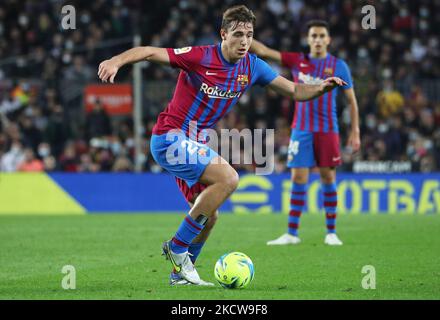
[(318, 23), (236, 14)]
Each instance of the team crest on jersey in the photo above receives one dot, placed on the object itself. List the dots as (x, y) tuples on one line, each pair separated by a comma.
[(328, 71), (182, 50), (243, 79)]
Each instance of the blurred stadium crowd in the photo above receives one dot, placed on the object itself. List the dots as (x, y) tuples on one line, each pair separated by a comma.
[(43, 71)]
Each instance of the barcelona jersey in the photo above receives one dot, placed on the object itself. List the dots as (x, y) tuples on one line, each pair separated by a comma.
[(208, 86), (320, 114)]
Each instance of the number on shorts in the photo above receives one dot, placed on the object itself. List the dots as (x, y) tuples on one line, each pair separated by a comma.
[(294, 147)]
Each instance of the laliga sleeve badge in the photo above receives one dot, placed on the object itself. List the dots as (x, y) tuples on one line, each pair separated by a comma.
[(182, 50)]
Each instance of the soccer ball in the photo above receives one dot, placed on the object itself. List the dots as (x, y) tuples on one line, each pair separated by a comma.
[(234, 270)]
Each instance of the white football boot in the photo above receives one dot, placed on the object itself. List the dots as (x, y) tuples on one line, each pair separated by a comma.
[(177, 280), (332, 240), (183, 265), (284, 240)]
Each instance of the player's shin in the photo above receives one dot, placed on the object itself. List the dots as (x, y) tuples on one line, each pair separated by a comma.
[(188, 230), (297, 203), (330, 203), (196, 246)]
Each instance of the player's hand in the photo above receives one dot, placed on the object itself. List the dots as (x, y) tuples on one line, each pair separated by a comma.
[(354, 141), (107, 70), (331, 83)]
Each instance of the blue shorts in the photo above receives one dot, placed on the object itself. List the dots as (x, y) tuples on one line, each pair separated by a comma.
[(181, 156), (309, 149)]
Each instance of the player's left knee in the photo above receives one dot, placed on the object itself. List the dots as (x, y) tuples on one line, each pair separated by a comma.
[(231, 181)]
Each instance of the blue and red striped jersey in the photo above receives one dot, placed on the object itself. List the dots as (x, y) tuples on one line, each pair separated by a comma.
[(208, 86), (320, 114)]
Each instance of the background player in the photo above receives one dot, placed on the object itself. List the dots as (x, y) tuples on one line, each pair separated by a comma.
[(210, 83), (314, 139)]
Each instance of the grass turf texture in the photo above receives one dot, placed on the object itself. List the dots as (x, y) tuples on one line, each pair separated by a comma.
[(118, 257)]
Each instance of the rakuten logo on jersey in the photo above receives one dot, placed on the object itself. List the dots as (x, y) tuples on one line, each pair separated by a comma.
[(217, 93), (308, 79)]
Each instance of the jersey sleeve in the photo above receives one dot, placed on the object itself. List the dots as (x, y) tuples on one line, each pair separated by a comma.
[(290, 59), (185, 58), (343, 72), (264, 74)]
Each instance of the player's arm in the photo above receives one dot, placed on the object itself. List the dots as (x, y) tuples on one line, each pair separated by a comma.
[(107, 69), (354, 140), (304, 92), (265, 52)]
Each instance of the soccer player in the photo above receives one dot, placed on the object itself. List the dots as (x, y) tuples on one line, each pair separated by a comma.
[(211, 80), (314, 138)]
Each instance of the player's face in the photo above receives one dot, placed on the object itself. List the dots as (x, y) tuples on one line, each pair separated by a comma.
[(318, 40), (237, 39)]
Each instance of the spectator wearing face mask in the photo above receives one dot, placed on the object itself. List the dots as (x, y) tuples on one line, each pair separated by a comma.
[(13, 158)]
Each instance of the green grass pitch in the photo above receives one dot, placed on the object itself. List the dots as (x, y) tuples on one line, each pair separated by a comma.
[(118, 256)]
